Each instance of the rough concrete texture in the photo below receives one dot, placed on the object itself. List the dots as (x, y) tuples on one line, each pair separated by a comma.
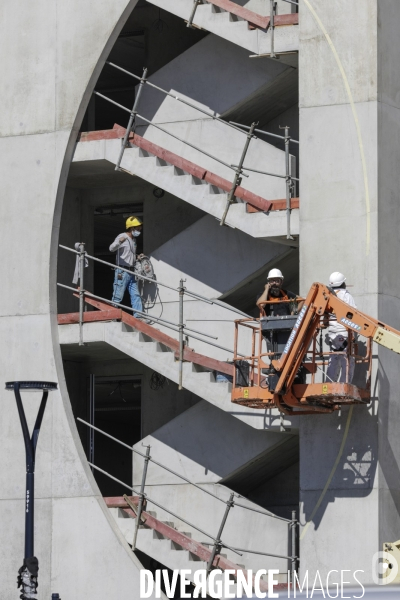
[(203, 76), (213, 138), (348, 126), (44, 62), (156, 356), (198, 445), (232, 28)]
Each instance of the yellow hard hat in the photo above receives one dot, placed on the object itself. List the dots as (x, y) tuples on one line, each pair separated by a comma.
[(133, 222)]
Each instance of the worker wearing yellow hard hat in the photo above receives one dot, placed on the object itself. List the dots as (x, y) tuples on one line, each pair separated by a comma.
[(125, 246)]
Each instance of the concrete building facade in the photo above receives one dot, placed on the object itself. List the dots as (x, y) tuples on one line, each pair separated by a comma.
[(335, 84)]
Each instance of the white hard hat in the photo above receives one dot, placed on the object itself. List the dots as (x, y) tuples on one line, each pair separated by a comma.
[(336, 279), (275, 273)]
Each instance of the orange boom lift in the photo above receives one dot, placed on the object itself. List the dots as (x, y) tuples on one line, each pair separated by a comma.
[(290, 375)]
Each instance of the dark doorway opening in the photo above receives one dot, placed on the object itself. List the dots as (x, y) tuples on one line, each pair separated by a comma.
[(114, 406)]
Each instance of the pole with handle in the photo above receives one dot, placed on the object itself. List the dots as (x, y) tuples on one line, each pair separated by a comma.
[(28, 573)]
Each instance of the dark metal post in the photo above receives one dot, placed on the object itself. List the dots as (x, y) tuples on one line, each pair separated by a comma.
[(272, 27), (293, 532), (132, 119), (81, 290), (238, 179), (217, 544), (28, 573), (181, 340), (141, 500), (192, 14)]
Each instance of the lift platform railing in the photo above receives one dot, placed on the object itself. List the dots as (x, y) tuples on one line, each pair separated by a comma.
[(239, 170), (181, 328), (315, 363), (230, 503)]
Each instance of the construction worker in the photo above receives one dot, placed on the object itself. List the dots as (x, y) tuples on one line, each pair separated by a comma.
[(125, 247), (273, 292), (337, 336)]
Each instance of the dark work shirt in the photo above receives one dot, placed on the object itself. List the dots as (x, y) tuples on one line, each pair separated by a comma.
[(280, 309)]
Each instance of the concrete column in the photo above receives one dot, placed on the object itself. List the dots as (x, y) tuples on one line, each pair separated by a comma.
[(52, 55), (349, 130)]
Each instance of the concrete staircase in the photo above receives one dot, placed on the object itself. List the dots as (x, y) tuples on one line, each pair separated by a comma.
[(235, 28), (243, 529), (208, 197), (199, 380)]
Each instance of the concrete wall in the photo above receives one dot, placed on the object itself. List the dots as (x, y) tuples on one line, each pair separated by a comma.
[(53, 53), (349, 127)]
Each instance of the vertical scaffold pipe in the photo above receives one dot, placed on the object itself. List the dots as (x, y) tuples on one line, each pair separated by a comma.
[(132, 119), (81, 290), (272, 26), (239, 170), (181, 340), (288, 183), (293, 532), (141, 499), (192, 14), (217, 544)]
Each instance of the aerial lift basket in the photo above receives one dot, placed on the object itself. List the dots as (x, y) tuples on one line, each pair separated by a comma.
[(288, 360)]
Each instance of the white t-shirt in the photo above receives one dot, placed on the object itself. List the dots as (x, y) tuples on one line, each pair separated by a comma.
[(334, 326)]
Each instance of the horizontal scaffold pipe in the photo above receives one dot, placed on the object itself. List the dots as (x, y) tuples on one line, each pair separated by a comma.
[(155, 281), (254, 18), (254, 202)]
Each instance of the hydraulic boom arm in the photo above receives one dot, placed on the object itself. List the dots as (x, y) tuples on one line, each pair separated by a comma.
[(322, 300)]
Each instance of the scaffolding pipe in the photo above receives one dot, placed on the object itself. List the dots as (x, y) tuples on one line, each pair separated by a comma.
[(217, 542), (177, 98), (192, 14), (142, 496), (132, 120), (81, 290), (129, 487), (114, 304), (279, 137), (151, 459), (238, 174), (272, 26), (159, 319), (187, 143), (92, 411), (293, 531), (288, 183), (181, 340), (188, 292), (266, 173)]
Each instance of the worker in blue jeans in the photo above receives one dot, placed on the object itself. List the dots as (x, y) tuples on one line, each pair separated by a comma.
[(125, 247)]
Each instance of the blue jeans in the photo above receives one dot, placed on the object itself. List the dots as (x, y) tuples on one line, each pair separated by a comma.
[(123, 280)]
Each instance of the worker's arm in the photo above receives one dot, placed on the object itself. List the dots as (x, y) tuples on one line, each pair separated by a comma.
[(117, 242), (263, 297)]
